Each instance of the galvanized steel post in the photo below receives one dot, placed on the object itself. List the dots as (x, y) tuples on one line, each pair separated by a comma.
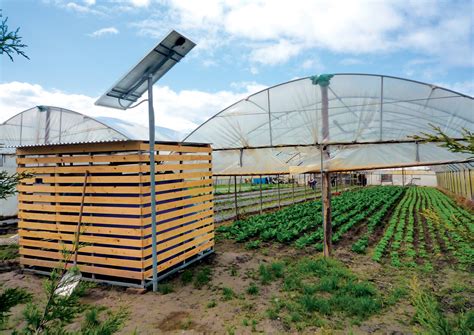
[(151, 125)]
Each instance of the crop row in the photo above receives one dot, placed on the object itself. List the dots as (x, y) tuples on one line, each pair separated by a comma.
[(302, 224), (427, 222)]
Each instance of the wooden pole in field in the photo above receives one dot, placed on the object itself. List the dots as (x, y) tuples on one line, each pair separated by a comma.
[(278, 186), (293, 188), (326, 195), (235, 198), (323, 82)]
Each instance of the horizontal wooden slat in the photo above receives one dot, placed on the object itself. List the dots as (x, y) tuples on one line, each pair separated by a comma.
[(118, 158), (73, 227), (85, 219), (86, 249), (85, 268), (83, 238), (184, 211), (180, 258), (177, 249), (121, 179), (80, 148), (166, 235), (179, 221), (78, 189), (75, 209), (135, 168), (58, 255), (115, 200), (77, 199), (179, 203), (112, 189), (178, 240)]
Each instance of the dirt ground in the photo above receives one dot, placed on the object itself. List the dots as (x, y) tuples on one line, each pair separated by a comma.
[(188, 310)]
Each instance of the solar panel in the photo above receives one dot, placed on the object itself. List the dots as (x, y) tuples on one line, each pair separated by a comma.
[(156, 63)]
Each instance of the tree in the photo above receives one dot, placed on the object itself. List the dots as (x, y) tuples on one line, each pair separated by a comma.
[(10, 41), (8, 183), (464, 145)]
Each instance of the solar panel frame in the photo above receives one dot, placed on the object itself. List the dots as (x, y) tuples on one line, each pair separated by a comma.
[(157, 63)]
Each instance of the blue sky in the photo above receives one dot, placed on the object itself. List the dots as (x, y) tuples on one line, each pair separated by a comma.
[(78, 49)]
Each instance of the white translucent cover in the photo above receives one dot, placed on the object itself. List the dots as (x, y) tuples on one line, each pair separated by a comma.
[(280, 127), (47, 124)]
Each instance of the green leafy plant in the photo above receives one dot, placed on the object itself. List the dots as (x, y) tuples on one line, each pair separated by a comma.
[(9, 298)]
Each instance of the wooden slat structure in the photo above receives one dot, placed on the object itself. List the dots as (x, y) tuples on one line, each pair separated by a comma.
[(116, 221)]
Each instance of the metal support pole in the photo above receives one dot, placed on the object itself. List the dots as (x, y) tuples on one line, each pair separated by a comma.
[(278, 186), (261, 198), (151, 128), (235, 198), (337, 177)]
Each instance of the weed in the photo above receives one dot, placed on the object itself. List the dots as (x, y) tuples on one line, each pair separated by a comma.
[(245, 322), (253, 289), (227, 293), (203, 277), (8, 252), (186, 324), (165, 288), (187, 277), (233, 271), (211, 304), (265, 274), (253, 245), (254, 325)]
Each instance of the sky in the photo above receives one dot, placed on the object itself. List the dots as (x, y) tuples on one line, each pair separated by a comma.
[(79, 48)]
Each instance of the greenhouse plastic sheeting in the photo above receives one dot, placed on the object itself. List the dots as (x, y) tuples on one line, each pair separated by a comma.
[(48, 125), (370, 118)]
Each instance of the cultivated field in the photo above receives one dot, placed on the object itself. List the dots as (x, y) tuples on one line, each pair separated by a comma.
[(403, 263)]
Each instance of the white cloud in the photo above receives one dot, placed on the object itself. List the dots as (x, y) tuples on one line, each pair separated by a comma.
[(273, 54), (439, 29), (81, 8), (104, 31), (181, 111)]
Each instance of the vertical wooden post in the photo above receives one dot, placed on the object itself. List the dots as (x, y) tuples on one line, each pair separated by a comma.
[(305, 185), (293, 188), (327, 214), (235, 198), (278, 186), (261, 198)]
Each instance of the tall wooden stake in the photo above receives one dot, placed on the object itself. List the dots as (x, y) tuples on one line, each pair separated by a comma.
[(323, 82), (235, 199), (327, 250)]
